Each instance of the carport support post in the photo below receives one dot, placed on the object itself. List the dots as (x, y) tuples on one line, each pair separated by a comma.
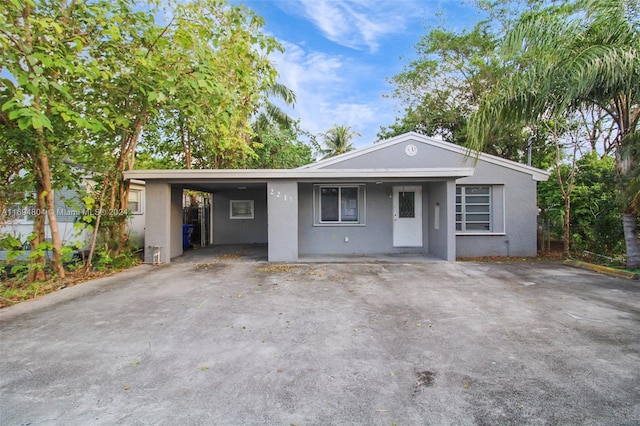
[(282, 208), (163, 222), (450, 215)]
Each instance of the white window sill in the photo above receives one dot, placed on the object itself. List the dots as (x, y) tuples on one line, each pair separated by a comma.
[(343, 224), (482, 234)]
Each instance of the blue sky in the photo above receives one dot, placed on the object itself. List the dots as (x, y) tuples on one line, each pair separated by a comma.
[(340, 53)]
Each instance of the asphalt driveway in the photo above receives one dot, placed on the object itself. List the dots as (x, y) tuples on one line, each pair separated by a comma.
[(247, 342)]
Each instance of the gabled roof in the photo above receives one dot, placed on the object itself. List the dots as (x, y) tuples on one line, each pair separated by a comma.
[(536, 174)]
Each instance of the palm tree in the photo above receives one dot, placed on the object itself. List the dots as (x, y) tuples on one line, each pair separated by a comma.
[(568, 57), (271, 114), (337, 140)]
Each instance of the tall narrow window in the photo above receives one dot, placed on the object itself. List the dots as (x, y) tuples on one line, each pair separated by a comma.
[(473, 208)]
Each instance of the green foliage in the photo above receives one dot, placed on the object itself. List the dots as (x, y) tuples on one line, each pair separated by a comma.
[(106, 260), (84, 81), (279, 148), (568, 57), (12, 245), (595, 218), (16, 250), (337, 140), (211, 76), (443, 87)]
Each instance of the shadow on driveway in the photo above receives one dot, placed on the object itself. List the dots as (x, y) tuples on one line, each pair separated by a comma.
[(234, 343)]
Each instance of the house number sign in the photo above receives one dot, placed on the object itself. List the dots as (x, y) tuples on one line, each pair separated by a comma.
[(284, 197), (411, 150)]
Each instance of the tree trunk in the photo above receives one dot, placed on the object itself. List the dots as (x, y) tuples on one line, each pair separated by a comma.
[(567, 226), (96, 227), (120, 191), (627, 165), (56, 241), (123, 230), (36, 268), (631, 238)]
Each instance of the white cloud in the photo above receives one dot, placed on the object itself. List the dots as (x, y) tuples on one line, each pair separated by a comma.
[(357, 24), (325, 92)]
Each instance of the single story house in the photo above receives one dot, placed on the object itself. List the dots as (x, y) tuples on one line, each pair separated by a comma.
[(408, 194)]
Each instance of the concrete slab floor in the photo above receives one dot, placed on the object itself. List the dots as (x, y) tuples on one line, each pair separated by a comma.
[(259, 252), (235, 343)]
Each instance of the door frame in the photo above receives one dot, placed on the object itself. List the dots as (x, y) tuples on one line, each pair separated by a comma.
[(407, 232)]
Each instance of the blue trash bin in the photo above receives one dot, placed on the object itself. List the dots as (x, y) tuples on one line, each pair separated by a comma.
[(187, 231)]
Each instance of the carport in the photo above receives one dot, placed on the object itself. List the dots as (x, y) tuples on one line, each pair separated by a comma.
[(229, 188), (270, 206)]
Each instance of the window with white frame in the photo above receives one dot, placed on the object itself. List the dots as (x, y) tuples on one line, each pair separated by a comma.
[(134, 202), (241, 209), (473, 209), (339, 204)]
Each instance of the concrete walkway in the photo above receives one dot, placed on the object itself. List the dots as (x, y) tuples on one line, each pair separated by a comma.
[(232, 342)]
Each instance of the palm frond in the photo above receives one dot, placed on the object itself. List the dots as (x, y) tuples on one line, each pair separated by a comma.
[(583, 53)]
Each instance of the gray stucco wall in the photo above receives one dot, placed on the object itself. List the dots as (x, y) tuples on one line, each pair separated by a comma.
[(395, 156), (176, 222), (282, 204), (240, 231), (158, 225), (375, 237), (518, 235), (441, 239), (514, 207)]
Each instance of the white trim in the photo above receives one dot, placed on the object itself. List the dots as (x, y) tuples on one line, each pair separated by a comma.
[(140, 201), (463, 212), (536, 174), (480, 234), (262, 175), (238, 216), (361, 198), (504, 207), (408, 232)]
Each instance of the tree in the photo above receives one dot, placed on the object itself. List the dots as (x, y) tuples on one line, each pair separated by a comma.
[(218, 76), (44, 64), (567, 57), (337, 140), (271, 115), (594, 221), (280, 148), (83, 80), (444, 85), (565, 171), (198, 79), (274, 143)]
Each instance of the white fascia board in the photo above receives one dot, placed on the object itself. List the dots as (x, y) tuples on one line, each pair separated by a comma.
[(447, 172), (191, 174), (536, 174), (267, 174)]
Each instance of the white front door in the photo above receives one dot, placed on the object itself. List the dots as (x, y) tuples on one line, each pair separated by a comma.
[(407, 216)]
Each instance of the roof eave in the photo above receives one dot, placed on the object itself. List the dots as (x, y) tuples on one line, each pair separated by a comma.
[(299, 174)]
